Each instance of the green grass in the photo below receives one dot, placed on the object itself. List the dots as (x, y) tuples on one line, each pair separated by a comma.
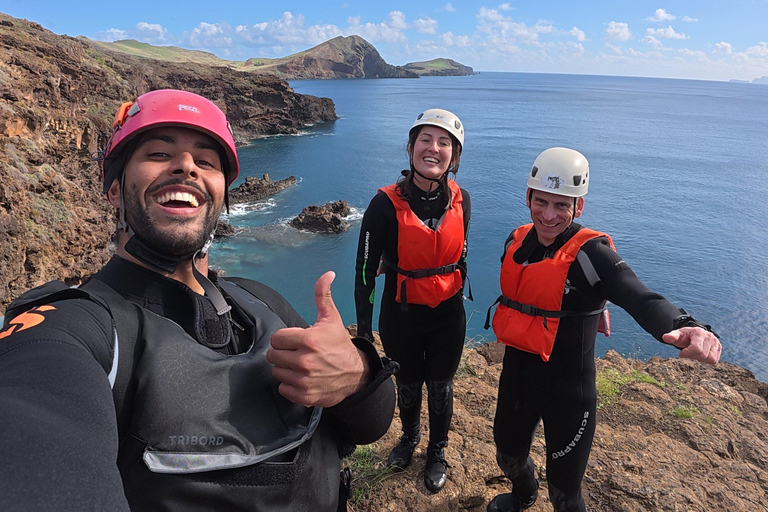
[(609, 383), (686, 411), (369, 469)]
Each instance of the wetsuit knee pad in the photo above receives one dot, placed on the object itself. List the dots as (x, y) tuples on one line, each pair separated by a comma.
[(440, 395), (409, 395), (571, 501)]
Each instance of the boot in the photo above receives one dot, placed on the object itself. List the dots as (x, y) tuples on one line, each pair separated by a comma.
[(436, 470), (511, 502), (525, 487), (401, 455), (571, 501)]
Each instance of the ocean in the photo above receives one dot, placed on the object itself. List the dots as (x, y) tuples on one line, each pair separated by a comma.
[(679, 181)]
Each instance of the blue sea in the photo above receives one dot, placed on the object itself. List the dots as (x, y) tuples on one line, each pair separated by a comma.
[(679, 180)]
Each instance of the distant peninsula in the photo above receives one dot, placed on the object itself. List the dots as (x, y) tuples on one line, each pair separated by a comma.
[(340, 57), (439, 67)]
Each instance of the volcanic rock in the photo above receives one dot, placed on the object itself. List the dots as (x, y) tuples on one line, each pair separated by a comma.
[(255, 189), (327, 218)]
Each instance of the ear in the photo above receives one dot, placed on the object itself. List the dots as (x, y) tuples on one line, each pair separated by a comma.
[(579, 207), (528, 197), (113, 194)]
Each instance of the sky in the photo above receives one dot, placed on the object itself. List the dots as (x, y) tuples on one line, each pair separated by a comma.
[(710, 40)]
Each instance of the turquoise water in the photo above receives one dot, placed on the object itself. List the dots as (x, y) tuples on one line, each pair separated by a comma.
[(679, 180)]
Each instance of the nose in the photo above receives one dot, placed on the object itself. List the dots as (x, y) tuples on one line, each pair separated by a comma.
[(549, 213), (184, 163)]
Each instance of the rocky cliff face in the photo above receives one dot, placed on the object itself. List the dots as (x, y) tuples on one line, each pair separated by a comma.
[(672, 435), (340, 57), (439, 67), (57, 98)]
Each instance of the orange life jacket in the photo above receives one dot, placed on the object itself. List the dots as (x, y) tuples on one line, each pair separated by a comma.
[(531, 298), (427, 269)]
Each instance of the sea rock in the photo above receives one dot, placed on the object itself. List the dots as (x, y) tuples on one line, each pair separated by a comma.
[(57, 98), (323, 219), (677, 436), (224, 230), (255, 189)]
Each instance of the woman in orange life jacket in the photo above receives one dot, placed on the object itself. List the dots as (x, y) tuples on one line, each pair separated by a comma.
[(418, 228), (556, 277)]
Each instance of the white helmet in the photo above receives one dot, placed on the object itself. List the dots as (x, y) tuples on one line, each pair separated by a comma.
[(560, 171), (442, 119)]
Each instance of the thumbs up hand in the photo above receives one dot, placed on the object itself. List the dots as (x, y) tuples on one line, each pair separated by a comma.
[(319, 365)]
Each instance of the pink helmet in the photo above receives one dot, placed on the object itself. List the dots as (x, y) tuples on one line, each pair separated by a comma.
[(168, 107)]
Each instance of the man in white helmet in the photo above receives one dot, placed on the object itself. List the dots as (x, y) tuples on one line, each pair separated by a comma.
[(556, 277)]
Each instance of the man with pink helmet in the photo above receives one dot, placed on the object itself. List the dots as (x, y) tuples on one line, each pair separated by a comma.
[(158, 385)]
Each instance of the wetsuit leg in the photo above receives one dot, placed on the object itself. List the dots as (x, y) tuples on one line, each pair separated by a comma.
[(444, 343), (514, 427)]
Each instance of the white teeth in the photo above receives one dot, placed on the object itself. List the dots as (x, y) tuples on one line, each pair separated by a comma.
[(178, 196), (431, 160)]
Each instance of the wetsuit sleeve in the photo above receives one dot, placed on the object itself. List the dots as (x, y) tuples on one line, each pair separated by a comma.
[(508, 241), (366, 416), (57, 415), (373, 236), (619, 284)]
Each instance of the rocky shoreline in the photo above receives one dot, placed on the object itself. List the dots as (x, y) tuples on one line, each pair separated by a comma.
[(672, 435)]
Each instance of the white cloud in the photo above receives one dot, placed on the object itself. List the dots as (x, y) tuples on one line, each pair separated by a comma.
[(666, 33), (741, 58), (578, 34), (425, 26), (111, 35), (397, 20), (495, 24), (698, 54), (209, 35), (652, 41), (288, 30), (615, 48), (723, 47), (379, 32), (761, 50), (660, 16), (617, 31), (505, 7), (448, 39), (688, 19), (153, 33), (449, 7)]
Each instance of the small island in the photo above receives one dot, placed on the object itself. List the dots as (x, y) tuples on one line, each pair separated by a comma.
[(439, 67)]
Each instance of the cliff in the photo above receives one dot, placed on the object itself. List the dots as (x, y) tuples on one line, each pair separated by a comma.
[(57, 98), (340, 57), (439, 67), (672, 435)]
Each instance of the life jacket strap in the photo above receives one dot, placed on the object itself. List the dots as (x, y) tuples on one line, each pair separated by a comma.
[(527, 309), (415, 274)]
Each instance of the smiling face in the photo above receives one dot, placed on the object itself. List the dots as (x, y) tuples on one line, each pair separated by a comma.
[(431, 153), (552, 213), (174, 189)]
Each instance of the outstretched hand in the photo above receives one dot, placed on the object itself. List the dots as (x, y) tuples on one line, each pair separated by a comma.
[(319, 365), (696, 343)]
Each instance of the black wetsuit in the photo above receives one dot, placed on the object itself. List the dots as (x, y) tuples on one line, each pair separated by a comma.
[(59, 439), (427, 342), (561, 392)]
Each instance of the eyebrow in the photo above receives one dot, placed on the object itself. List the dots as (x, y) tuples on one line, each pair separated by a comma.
[(171, 140)]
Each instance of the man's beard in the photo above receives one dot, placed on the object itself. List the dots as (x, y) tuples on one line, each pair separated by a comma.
[(173, 240)]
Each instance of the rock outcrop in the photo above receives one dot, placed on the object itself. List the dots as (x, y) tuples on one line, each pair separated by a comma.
[(256, 189), (57, 98), (439, 67), (672, 435), (328, 218)]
